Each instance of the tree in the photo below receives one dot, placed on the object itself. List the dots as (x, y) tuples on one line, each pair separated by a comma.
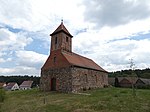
[(133, 75)]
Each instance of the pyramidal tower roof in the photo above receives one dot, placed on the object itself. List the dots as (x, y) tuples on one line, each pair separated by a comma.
[(61, 28)]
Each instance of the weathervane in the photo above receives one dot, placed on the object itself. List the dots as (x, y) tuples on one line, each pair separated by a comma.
[(62, 20)]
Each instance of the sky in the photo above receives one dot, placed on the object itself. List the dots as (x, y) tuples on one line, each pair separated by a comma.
[(110, 32)]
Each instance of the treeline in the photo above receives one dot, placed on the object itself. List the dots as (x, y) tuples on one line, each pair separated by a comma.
[(20, 79), (145, 73)]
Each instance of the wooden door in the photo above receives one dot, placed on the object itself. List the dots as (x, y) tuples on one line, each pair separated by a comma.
[(53, 84)]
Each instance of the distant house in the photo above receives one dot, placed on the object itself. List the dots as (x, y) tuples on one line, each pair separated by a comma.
[(26, 85), (127, 81), (2, 85), (112, 80), (12, 86), (120, 78), (141, 82)]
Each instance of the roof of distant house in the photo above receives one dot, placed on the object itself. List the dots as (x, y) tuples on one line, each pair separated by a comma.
[(130, 79), (10, 85), (26, 84), (146, 81)]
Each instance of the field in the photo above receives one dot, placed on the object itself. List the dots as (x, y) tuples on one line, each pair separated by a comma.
[(100, 100)]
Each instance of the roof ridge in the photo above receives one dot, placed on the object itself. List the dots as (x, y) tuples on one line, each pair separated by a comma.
[(61, 27), (82, 56)]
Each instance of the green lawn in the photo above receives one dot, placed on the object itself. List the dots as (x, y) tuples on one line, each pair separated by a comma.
[(100, 100)]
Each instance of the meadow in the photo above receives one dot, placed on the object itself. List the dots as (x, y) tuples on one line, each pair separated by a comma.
[(98, 100)]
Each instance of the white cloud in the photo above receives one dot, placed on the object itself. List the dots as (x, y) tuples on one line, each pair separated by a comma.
[(15, 13), (2, 60), (114, 12), (2, 54), (113, 47), (6, 71), (115, 55), (26, 63), (39, 15), (30, 59), (19, 70), (13, 41)]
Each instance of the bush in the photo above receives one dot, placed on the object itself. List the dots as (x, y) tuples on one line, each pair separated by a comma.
[(144, 87), (2, 95)]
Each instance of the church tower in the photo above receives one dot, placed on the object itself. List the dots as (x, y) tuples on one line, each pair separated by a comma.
[(61, 39)]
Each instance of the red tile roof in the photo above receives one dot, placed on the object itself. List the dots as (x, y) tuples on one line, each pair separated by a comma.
[(62, 28), (78, 60)]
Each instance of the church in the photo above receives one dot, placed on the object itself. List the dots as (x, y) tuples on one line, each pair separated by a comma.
[(66, 71)]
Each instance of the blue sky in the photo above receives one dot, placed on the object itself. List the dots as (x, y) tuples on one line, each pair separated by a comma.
[(109, 32)]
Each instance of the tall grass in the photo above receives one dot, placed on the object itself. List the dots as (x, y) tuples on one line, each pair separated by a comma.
[(2, 95)]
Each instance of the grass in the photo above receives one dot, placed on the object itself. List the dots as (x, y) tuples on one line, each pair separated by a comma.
[(100, 100), (2, 95)]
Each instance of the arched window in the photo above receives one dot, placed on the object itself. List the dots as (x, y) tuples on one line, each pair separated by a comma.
[(55, 59)]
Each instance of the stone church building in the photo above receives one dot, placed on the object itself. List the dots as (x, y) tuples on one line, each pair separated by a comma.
[(66, 71)]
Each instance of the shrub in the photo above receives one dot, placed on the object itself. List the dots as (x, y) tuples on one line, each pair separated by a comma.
[(144, 87), (2, 95)]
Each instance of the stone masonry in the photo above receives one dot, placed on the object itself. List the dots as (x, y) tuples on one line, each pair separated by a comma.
[(73, 79)]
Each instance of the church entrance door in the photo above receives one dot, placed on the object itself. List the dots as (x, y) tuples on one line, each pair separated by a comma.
[(53, 84)]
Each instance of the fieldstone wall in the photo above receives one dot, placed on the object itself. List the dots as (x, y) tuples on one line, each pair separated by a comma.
[(83, 79), (63, 79), (73, 79)]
